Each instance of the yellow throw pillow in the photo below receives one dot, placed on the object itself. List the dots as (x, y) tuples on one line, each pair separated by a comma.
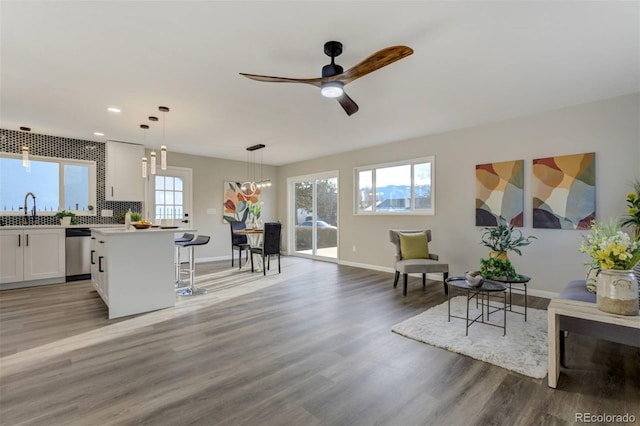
[(414, 245)]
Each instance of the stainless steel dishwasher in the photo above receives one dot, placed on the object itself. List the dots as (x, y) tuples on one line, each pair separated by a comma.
[(78, 254)]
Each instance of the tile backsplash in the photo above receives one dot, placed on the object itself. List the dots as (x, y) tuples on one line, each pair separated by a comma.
[(54, 146)]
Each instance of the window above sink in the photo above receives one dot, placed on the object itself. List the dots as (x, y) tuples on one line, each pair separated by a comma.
[(58, 184)]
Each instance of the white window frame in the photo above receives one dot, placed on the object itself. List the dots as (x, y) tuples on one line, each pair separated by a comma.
[(61, 163), (412, 211)]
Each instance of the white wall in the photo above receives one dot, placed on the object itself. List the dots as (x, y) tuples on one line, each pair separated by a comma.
[(610, 128), (209, 175)]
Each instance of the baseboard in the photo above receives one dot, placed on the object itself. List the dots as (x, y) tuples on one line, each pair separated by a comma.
[(366, 266), (435, 277), (438, 277), (34, 283), (212, 259), (543, 293)]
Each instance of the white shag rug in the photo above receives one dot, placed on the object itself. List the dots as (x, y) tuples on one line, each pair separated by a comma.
[(523, 349)]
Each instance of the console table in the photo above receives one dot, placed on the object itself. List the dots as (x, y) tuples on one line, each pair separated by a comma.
[(583, 310)]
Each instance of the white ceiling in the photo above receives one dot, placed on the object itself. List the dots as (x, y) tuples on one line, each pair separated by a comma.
[(64, 62)]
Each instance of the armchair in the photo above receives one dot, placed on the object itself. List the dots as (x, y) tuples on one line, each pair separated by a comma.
[(423, 263)]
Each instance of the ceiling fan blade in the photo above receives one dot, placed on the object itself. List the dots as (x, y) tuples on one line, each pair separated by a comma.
[(348, 104), (380, 59), (313, 81)]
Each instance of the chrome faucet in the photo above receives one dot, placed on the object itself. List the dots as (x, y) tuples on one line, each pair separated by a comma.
[(33, 210)]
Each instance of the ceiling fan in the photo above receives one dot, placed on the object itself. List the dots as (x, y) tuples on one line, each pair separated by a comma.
[(333, 78)]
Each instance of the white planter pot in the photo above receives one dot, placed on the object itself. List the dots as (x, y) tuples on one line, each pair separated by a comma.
[(617, 292), (65, 220)]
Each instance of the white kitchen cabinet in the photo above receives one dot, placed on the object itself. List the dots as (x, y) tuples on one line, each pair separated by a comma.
[(32, 255), (11, 261), (124, 180), (99, 270)]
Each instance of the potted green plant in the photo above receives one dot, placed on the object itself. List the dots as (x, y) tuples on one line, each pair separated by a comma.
[(632, 219), (503, 238), (63, 215), (120, 216), (136, 217), (496, 267)]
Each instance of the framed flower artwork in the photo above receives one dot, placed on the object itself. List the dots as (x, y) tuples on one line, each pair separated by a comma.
[(236, 203)]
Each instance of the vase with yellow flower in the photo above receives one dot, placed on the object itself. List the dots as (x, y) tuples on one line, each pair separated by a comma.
[(614, 253)]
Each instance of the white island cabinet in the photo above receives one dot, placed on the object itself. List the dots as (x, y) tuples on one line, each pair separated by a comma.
[(133, 271), (31, 256)]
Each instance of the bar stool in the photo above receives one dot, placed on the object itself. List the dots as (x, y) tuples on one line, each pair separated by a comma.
[(185, 237), (199, 241)]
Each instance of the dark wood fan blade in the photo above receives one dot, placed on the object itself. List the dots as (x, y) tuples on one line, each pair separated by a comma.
[(313, 81), (348, 104), (380, 59)]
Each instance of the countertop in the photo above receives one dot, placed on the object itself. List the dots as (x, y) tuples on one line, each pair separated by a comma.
[(95, 225), (133, 231)]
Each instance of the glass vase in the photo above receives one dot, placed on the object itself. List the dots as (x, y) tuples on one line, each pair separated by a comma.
[(617, 292)]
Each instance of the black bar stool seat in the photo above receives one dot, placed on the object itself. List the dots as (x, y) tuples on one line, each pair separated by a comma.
[(185, 237), (200, 240)]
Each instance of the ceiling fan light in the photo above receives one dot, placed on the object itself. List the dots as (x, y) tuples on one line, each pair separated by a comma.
[(332, 89)]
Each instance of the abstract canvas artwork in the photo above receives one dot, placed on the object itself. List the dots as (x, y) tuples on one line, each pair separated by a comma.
[(236, 203), (500, 192), (564, 191)]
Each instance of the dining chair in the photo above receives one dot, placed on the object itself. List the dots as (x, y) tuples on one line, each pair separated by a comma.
[(238, 242), (270, 246)]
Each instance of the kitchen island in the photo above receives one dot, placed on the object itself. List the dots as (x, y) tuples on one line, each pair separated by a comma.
[(133, 271)]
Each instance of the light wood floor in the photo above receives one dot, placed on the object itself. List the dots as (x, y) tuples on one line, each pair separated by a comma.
[(312, 348)]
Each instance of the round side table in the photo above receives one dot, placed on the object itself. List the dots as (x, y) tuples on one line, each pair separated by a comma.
[(481, 294)]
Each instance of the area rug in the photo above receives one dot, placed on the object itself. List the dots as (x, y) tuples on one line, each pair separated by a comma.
[(523, 349)]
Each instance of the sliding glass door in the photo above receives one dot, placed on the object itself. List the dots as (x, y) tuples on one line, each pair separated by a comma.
[(313, 218)]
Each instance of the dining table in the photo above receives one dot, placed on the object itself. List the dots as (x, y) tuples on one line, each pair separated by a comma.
[(254, 237)]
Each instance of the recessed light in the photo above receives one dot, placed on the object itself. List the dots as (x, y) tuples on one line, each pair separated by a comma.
[(114, 109), (98, 133)]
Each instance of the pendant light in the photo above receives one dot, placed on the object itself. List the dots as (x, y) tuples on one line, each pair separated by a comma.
[(263, 183), (163, 157), (153, 162), (163, 148), (144, 128), (25, 151), (250, 187), (25, 156), (153, 153)]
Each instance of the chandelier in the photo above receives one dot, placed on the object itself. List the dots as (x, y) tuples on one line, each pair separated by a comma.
[(251, 186)]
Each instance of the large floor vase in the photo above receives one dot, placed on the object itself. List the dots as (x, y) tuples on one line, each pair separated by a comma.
[(617, 292)]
